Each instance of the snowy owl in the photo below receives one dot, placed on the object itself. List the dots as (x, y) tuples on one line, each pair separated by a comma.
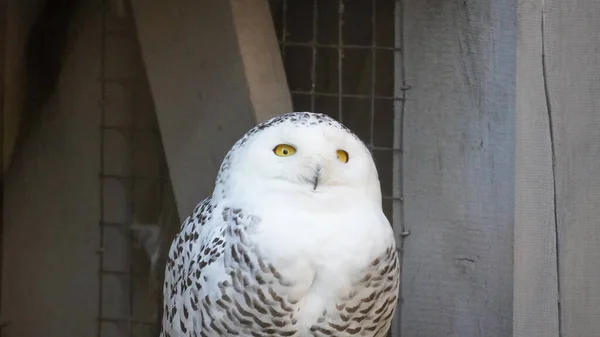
[(292, 241)]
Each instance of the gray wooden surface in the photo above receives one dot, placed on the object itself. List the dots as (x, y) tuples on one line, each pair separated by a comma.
[(200, 81), (572, 45), (567, 33), (458, 168), (535, 273)]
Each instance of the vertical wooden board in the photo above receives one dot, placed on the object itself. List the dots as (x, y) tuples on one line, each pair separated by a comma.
[(50, 267), (572, 48), (458, 168), (200, 87), (535, 269)]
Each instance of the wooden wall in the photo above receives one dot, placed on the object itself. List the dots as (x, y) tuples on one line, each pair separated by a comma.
[(458, 172), (501, 149)]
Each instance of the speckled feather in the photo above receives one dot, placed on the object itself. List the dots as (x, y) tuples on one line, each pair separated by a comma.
[(221, 279)]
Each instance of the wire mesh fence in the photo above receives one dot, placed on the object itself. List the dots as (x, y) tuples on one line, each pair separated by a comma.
[(134, 182), (339, 58), (343, 58)]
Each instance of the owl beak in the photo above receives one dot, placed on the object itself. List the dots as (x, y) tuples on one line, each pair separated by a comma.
[(316, 177), (315, 181)]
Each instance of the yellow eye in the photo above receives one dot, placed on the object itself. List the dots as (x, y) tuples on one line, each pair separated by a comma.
[(284, 150), (342, 156)]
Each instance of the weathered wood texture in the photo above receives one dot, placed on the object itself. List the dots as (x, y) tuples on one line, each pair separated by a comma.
[(460, 63), (208, 83), (558, 98), (572, 48), (535, 272), (50, 267)]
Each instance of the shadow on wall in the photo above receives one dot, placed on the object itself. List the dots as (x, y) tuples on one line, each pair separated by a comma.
[(44, 27), (47, 44)]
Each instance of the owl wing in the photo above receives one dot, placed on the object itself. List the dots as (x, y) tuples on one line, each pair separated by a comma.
[(377, 301), (194, 256), (211, 275)]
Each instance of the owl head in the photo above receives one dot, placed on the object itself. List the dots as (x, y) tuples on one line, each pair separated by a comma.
[(303, 154)]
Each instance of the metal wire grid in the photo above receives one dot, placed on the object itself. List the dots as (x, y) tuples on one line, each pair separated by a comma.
[(374, 111), (123, 301), (324, 44)]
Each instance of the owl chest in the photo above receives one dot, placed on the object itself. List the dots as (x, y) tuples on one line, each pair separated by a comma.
[(264, 296), (292, 275), (275, 303), (324, 239)]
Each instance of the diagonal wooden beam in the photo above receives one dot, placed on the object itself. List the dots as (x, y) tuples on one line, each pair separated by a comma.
[(214, 70), (261, 57)]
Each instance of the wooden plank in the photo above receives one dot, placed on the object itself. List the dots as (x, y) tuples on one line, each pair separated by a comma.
[(209, 87), (572, 54), (458, 166), (535, 272), (51, 220)]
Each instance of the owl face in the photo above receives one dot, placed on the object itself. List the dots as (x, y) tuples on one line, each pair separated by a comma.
[(311, 153)]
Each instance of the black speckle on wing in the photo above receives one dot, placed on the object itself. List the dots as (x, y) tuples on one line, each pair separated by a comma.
[(251, 298)]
